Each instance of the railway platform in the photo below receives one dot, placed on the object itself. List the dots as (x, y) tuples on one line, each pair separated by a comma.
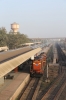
[(55, 55), (12, 87)]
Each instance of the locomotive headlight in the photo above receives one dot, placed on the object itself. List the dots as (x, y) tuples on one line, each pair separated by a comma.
[(32, 58)]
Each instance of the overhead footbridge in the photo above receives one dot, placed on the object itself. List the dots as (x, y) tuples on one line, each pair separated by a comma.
[(10, 64)]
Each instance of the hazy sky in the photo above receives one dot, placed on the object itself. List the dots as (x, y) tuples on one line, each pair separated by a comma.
[(37, 18)]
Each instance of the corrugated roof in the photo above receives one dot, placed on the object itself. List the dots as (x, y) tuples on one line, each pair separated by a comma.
[(13, 53), (7, 66)]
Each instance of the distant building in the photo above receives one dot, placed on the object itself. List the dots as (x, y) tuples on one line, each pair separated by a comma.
[(15, 27)]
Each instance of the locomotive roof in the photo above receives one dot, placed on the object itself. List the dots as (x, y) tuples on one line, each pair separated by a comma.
[(38, 57)]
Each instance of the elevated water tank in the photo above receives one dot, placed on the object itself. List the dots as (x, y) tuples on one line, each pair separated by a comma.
[(15, 27)]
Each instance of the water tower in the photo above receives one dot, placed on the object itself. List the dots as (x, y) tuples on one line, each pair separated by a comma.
[(15, 27)]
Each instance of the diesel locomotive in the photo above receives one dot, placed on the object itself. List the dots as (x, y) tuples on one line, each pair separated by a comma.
[(38, 65)]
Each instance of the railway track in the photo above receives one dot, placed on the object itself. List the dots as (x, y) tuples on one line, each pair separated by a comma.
[(56, 89), (29, 91), (61, 56)]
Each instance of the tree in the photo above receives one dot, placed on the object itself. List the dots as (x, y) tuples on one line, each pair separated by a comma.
[(3, 37), (11, 40), (16, 40)]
